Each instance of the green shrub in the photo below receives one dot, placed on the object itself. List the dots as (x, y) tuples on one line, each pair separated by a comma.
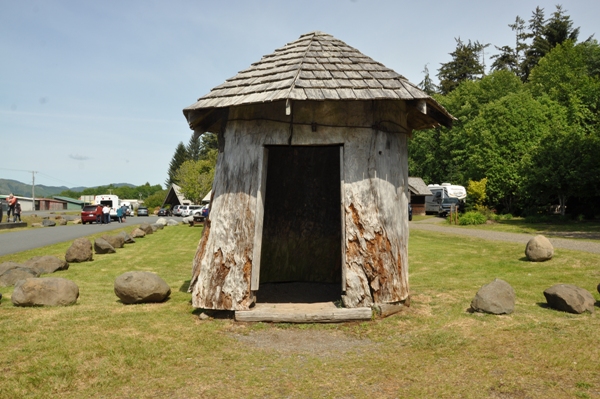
[(472, 218)]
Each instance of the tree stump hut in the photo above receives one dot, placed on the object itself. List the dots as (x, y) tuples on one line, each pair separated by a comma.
[(311, 181)]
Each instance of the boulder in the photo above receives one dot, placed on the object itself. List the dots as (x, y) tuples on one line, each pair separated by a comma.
[(147, 228), (48, 223), (47, 291), (497, 297), (62, 222), (9, 265), (569, 298), (138, 233), (188, 219), (101, 246), (37, 225), (539, 249), (157, 226), (141, 287), (161, 221), (46, 264), (10, 277), (77, 221), (116, 241), (80, 251), (172, 222), (127, 238)]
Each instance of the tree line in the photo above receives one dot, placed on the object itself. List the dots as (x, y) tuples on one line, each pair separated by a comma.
[(529, 131), (192, 167)]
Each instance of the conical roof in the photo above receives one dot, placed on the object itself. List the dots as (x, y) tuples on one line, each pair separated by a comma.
[(319, 67)]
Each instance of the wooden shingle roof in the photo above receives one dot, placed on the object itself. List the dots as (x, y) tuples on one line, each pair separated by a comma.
[(319, 67), (417, 186)]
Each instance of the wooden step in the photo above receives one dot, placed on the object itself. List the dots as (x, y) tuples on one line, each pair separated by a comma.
[(321, 312)]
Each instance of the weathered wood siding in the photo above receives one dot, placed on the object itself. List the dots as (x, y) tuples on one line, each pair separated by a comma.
[(374, 136)]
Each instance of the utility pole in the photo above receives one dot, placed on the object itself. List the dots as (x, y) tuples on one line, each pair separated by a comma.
[(33, 172)]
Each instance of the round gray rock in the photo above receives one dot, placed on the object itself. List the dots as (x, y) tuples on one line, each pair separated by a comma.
[(12, 276), (138, 233), (539, 249), (116, 241), (147, 228), (80, 251), (141, 287), (101, 246), (497, 297), (46, 264), (47, 291), (569, 298)]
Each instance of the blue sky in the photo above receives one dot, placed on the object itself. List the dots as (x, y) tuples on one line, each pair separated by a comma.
[(91, 93)]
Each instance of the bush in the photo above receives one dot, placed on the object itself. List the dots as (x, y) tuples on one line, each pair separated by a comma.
[(472, 218)]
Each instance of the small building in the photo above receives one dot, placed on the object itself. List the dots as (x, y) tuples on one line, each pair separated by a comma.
[(72, 203), (311, 183), (175, 197), (418, 191), (49, 204)]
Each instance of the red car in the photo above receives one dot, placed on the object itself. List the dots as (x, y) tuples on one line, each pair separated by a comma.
[(91, 213)]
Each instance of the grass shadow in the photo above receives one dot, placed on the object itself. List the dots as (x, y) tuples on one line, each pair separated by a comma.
[(185, 286)]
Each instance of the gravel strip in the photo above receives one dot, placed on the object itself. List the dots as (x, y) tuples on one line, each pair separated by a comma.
[(434, 224)]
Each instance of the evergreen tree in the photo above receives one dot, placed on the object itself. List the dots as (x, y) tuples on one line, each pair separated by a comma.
[(465, 65), (545, 35), (538, 46), (180, 156), (510, 58), (209, 142), (427, 84), (193, 148)]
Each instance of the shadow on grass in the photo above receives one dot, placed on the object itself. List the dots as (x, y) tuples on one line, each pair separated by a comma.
[(185, 286)]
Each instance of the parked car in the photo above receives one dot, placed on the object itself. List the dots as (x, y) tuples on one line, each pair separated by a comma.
[(164, 212), (202, 213), (91, 213), (190, 209), (177, 210), (142, 211)]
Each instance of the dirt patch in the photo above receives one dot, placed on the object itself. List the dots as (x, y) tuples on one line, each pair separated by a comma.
[(312, 342)]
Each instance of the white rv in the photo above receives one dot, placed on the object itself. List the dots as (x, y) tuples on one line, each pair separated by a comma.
[(111, 200), (445, 197)]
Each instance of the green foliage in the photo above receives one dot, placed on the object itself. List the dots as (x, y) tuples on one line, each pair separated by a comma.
[(125, 192), (196, 177), (472, 218), (465, 65), (476, 191), (179, 158), (156, 199)]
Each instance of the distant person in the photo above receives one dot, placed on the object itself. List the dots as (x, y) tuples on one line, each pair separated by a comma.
[(119, 213), (17, 212), (124, 212), (1, 209), (106, 214), (12, 200)]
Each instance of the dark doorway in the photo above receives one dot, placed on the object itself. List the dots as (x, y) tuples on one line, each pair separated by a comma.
[(301, 240)]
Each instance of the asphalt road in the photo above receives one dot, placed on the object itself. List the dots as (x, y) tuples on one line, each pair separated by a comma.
[(18, 241)]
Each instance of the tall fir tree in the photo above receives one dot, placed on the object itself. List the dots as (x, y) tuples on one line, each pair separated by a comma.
[(194, 147), (427, 84), (180, 156), (465, 65)]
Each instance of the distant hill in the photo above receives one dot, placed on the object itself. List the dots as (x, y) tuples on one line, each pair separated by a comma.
[(24, 190)]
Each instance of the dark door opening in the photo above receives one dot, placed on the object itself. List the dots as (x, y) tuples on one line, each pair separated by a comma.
[(301, 243)]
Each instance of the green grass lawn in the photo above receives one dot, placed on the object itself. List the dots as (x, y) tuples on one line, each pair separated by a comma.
[(101, 348), (591, 228)]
